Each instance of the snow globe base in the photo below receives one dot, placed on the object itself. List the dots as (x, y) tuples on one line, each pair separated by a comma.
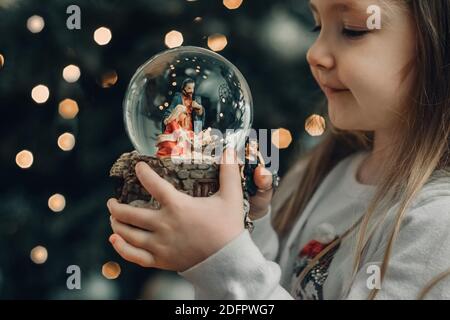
[(194, 179)]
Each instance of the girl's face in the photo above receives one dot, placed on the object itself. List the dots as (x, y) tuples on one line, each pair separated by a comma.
[(362, 71)]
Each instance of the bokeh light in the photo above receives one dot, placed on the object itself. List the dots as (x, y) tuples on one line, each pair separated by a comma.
[(111, 270), (35, 24), (281, 138), (109, 79), (57, 202), (102, 36), (68, 108), (232, 4), (173, 39), (315, 125), (40, 93), (71, 73), (217, 42), (2, 61), (24, 159), (39, 254), (66, 141)]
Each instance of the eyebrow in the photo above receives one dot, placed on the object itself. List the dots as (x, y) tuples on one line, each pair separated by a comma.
[(346, 7), (342, 6)]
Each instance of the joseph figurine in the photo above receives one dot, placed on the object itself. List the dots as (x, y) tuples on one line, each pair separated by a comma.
[(195, 110)]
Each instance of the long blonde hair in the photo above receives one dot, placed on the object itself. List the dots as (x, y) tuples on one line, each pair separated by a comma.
[(421, 143)]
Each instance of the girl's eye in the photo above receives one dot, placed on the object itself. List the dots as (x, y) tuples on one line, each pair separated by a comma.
[(354, 33), (346, 32)]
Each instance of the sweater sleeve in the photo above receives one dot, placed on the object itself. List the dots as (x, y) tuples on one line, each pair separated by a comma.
[(265, 237), (420, 253), (241, 269)]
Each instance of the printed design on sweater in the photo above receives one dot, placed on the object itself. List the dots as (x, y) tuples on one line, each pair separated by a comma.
[(311, 287)]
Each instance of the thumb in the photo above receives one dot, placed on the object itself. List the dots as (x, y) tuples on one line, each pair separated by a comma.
[(158, 187), (230, 177)]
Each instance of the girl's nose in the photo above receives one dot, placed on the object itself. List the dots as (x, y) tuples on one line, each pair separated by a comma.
[(320, 55)]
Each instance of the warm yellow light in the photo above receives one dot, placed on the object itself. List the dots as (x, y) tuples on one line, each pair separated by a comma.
[(35, 24), (232, 4), (315, 125), (2, 61), (217, 42), (57, 202), (39, 254), (40, 94), (111, 270), (24, 159), (102, 36), (68, 108), (109, 79), (281, 138), (71, 73), (173, 39), (66, 141)]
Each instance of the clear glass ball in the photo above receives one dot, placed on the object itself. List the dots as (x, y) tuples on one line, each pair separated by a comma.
[(181, 76)]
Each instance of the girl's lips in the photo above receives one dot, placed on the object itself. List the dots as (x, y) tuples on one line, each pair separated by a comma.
[(332, 91)]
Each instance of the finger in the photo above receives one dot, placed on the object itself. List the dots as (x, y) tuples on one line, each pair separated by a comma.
[(263, 178), (131, 253), (139, 217), (159, 188), (229, 176), (136, 237)]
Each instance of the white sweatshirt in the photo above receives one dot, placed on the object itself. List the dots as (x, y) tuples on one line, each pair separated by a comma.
[(262, 266)]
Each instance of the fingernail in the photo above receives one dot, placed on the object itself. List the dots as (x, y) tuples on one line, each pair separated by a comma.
[(112, 239), (138, 166), (108, 204)]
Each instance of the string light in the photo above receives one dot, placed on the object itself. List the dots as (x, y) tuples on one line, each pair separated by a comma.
[(232, 4), (68, 108), (281, 138), (71, 73), (315, 125), (57, 202), (35, 24), (40, 94), (111, 270), (2, 61), (173, 39), (217, 42), (24, 159), (66, 141), (39, 254), (109, 79), (102, 36)]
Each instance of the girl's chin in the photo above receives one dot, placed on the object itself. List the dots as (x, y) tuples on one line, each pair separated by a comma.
[(343, 121)]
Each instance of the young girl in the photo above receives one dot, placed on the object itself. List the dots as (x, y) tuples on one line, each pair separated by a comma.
[(365, 214)]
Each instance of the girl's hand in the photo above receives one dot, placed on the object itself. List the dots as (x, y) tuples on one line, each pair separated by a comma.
[(259, 203), (186, 230)]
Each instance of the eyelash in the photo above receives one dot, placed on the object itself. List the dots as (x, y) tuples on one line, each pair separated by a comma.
[(346, 32)]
